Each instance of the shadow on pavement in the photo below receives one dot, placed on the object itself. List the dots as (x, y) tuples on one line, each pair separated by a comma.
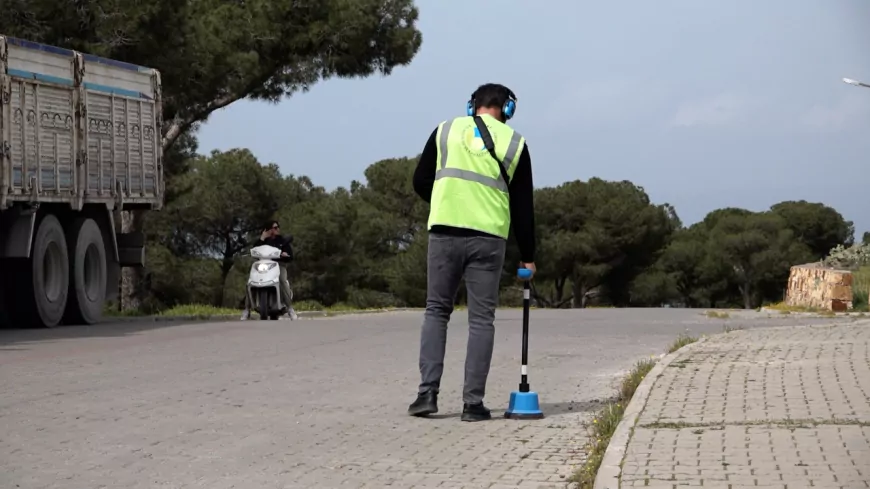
[(550, 409), (10, 336), (457, 414)]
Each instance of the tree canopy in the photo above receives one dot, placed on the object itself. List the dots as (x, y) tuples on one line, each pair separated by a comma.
[(600, 242), (212, 53)]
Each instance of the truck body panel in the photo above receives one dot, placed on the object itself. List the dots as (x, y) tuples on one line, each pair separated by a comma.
[(78, 129)]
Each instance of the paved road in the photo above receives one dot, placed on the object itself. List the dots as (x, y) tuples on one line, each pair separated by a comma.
[(781, 408), (314, 403)]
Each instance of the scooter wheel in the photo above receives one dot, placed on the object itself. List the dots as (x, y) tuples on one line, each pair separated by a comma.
[(263, 299)]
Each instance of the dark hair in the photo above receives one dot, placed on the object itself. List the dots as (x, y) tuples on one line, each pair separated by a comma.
[(270, 225), (491, 95)]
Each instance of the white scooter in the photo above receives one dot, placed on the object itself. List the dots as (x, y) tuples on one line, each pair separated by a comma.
[(264, 283)]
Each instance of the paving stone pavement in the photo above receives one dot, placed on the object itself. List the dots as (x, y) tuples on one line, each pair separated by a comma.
[(784, 408), (318, 403)]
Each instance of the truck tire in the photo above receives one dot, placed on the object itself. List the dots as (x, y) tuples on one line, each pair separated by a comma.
[(42, 298), (87, 273), (5, 320)]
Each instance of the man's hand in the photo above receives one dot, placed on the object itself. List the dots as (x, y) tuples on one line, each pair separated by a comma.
[(264, 235), (530, 266), (284, 254)]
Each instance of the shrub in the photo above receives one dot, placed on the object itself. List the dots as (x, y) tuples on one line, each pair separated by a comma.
[(301, 306), (851, 258), (861, 289), (369, 299)]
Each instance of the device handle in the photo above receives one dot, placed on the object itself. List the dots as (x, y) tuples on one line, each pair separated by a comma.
[(524, 274)]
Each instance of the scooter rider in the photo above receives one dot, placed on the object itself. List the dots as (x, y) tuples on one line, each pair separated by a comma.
[(271, 236)]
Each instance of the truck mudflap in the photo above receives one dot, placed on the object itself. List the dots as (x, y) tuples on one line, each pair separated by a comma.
[(131, 249), (16, 230)]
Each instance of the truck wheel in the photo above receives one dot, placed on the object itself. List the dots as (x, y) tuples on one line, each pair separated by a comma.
[(5, 295), (44, 295), (87, 284)]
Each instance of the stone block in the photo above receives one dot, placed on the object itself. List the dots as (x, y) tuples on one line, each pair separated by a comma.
[(815, 286)]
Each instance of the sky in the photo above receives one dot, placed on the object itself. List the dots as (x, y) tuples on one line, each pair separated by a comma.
[(704, 104)]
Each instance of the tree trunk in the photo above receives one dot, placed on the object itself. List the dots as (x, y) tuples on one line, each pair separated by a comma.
[(542, 302), (560, 290), (226, 266), (747, 296), (579, 299), (132, 279)]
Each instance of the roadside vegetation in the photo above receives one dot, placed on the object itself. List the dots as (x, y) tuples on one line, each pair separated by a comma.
[(207, 311), (717, 314), (681, 341), (861, 289), (604, 423)]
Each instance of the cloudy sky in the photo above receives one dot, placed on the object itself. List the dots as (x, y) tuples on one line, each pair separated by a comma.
[(704, 104)]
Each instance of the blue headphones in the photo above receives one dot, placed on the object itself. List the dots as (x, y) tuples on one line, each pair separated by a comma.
[(507, 111)]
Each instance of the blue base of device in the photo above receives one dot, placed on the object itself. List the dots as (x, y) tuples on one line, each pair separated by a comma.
[(524, 405)]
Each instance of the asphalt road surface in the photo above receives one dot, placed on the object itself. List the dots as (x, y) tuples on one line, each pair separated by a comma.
[(314, 403)]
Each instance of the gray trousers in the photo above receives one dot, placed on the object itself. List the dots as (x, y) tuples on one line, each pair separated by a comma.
[(480, 261)]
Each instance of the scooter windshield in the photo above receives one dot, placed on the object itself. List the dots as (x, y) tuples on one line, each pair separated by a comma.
[(266, 251)]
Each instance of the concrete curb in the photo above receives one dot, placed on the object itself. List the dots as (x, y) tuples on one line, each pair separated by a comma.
[(235, 317), (611, 464)]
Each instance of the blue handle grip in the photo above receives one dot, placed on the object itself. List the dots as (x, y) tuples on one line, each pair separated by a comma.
[(524, 273)]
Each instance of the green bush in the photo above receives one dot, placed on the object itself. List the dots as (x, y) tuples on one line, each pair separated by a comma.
[(511, 296), (199, 310), (861, 289), (342, 306), (860, 301), (369, 299), (305, 306), (851, 258)]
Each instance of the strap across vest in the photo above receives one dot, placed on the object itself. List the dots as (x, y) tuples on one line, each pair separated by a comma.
[(497, 183)]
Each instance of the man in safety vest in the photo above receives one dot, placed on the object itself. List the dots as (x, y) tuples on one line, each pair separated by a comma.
[(476, 173)]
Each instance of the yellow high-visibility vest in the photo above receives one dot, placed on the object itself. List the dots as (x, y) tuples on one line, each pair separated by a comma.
[(469, 191)]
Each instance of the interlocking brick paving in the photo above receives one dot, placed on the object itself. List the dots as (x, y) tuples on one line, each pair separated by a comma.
[(782, 408)]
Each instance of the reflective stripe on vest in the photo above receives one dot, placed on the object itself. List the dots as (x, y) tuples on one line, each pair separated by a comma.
[(498, 183), (469, 191)]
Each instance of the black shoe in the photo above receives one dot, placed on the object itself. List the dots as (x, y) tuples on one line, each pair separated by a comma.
[(426, 404), (475, 412)]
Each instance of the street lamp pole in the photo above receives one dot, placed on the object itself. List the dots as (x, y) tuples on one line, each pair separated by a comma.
[(855, 83)]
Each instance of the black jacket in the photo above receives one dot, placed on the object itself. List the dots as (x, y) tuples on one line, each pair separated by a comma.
[(283, 243)]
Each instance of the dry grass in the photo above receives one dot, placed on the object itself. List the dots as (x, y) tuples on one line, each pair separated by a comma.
[(861, 290), (199, 310), (681, 341), (784, 308), (604, 423), (717, 314)]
